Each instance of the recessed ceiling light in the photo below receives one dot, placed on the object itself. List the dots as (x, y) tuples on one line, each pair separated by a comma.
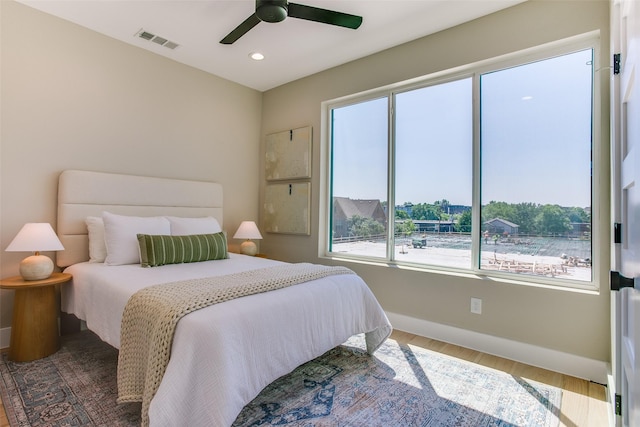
[(527, 98), (256, 56)]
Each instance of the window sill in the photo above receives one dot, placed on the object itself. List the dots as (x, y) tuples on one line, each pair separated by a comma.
[(591, 288)]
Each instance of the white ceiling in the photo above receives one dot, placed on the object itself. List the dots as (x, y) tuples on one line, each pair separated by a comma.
[(294, 48)]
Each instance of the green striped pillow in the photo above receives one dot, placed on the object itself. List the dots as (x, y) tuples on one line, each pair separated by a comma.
[(156, 250)]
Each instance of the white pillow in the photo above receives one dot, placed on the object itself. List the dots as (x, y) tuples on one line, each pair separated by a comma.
[(97, 247), (187, 226), (120, 235)]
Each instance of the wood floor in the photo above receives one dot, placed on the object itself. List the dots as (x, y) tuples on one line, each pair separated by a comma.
[(584, 404)]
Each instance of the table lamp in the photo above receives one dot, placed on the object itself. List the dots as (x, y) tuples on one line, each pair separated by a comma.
[(35, 237), (248, 230)]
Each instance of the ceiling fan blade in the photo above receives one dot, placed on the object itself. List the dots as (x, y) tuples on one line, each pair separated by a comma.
[(325, 16), (241, 29)]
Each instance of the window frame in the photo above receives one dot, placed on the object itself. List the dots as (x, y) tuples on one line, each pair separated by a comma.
[(474, 70)]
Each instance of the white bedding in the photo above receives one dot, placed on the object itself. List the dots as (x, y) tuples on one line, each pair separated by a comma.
[(224, 355)]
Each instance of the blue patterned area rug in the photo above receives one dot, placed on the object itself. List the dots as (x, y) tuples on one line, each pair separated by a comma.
[(76, 386), (401, 386)]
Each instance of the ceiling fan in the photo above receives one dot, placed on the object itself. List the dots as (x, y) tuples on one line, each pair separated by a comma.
[(278, 10)]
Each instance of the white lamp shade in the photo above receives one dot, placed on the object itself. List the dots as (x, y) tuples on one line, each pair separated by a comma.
[(248, 230), (35, 237)]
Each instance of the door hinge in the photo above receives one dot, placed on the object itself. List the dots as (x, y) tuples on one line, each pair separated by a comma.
[(616, 63), (618, 404), (618, 281), (617, 232)]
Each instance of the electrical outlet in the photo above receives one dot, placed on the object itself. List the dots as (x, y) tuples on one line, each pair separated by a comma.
[(476, 305)]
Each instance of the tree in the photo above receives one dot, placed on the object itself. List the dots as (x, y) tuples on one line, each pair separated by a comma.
[(406, 227), (525, 216), (401, 214), (464, 222), (443, 205), (498, 210), (364, 227), (424, 211), (552, 219), (531, 218), (578, 214)]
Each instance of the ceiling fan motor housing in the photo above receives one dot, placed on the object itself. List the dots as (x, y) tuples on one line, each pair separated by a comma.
[(271, 10)]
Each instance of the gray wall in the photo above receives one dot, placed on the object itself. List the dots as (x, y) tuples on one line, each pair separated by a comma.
[(74, 99), (567, 321)]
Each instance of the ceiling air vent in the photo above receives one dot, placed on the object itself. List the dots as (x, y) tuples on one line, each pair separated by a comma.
[(157, 39), (145, 35)]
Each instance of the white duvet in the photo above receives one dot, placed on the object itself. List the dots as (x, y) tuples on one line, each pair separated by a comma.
[(222, 356)]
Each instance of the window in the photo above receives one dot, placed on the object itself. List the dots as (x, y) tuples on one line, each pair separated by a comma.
[(359, 184), (536, 167), (499, 182), (433, 179)]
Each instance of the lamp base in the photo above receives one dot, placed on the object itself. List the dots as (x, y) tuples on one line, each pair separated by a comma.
[(248, 248), (36, 267)]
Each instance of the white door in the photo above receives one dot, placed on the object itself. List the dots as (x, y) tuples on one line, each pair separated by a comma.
[(625, 124)]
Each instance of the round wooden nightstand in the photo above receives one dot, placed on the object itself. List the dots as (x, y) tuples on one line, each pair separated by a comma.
[(34, 329)]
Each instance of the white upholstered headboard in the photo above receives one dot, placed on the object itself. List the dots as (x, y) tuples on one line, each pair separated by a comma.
[(83, 193)]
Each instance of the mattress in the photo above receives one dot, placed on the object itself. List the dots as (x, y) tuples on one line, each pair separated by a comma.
[(222, 356)]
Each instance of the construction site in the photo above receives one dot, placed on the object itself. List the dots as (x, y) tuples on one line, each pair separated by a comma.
[(560, 257)]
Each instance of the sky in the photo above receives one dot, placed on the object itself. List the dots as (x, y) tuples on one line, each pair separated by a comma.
[(535, 137)]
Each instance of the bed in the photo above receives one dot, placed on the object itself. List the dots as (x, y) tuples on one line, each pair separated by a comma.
[(222, 355)]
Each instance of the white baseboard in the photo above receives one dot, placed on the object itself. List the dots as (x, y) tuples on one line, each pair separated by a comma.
[(5, 337), (564, 363)]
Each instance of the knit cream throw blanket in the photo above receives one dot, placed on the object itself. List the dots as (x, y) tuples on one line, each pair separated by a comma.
[(151, 315)]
